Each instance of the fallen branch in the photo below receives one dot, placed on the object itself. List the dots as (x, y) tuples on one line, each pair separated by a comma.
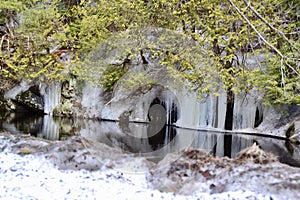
[(87, 149)]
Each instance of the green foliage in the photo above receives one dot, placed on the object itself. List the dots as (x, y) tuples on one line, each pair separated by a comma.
[(9, 8), (29, 52), (111, 76), (231, 33)]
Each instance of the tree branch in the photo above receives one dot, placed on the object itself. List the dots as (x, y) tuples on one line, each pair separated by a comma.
[(256, 31), (8, 27), (270, 25), (282, 77), (261, 37), (2, 39)]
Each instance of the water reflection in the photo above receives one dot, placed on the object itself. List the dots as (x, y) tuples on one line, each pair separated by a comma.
[(21, 123), (134, 137), (162, 137)]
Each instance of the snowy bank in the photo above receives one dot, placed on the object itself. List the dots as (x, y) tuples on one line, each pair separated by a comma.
[(36, 169)]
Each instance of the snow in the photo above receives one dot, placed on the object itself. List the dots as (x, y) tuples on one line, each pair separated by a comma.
[(32, 177), (35, 177)]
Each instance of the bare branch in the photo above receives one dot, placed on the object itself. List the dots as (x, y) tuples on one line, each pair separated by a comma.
[(2, 39), (256, 31), (294, 33), (282, 76), (8, 45), (270, 25), (260, 36), (9, 29)]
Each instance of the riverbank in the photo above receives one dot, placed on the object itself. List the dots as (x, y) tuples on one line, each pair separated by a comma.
[(77, 168)]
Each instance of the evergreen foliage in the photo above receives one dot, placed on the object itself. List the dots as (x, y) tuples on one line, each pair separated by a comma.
[(34, 34)]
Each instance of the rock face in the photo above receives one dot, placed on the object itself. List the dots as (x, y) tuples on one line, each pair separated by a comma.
[(194, 171), (31, 99), (292, 131), (280, 120), (81, 99), (146, 83), (23, 96)]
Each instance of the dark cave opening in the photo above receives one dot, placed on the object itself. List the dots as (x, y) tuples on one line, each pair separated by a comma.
[(159, 131)]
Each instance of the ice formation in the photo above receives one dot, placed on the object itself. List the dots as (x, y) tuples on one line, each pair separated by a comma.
[(52, 95)]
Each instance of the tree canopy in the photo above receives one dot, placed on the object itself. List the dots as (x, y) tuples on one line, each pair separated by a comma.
[(34, 34)]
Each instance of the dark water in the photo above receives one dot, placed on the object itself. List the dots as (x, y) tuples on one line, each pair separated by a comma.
[(135, 137)]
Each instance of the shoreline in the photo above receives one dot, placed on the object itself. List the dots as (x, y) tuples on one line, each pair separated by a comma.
[(38, 175)]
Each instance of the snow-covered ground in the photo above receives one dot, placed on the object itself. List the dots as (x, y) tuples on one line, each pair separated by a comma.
[(34, 177)]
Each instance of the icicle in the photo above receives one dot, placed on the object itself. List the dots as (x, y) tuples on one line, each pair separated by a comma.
[(192, 112), (52, 95), (50, 129), (245, 105), (222, 102), (190, 109), (167, 135), (205, 113), (167, 97)]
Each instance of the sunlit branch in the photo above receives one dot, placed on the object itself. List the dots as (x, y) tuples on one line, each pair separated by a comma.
[(261, 37), (270, 25)]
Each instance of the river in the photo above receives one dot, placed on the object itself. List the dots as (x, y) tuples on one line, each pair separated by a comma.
[(134, 137)]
